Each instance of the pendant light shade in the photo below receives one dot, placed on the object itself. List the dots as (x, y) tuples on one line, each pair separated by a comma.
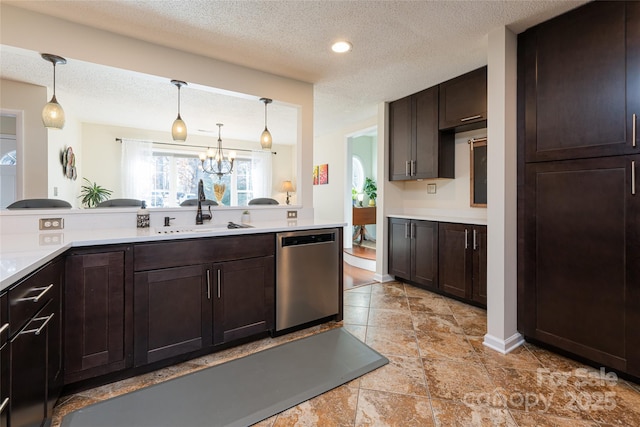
[(52, 113), (179, 128), (265, 139)]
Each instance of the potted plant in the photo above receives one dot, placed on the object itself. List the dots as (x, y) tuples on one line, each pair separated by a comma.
[(92, 194), (354, 195), (370, 189)]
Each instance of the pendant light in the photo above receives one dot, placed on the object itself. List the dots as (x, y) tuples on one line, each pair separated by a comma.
[(52, 113), (214, 162), (179, 128), (265, 138)]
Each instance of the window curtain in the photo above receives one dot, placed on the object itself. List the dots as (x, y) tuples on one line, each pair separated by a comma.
[(137, 170), (261, 173)]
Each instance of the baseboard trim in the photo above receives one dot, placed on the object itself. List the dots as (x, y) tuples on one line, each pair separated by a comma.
[(382, 278), (503, 346), (365, 264)]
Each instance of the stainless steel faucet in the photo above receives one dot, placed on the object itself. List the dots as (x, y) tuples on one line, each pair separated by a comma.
[(200, 217)]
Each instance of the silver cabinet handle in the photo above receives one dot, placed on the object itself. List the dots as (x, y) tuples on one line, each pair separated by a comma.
[(466, 238), (4, 404), (413, 230), (40, 295), (634, 131), (2, 329), (406, 230), (475, 246), (37, 331), (413, 167), (208, 284), (218, 283), (633, 177), (466, 119), (406, 168)]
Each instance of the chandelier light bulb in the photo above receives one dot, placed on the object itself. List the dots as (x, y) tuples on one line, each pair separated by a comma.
[(179, 128), (265, 139), (52, 113)]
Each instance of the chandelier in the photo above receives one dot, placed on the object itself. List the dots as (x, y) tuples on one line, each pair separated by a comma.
[(214, 162)]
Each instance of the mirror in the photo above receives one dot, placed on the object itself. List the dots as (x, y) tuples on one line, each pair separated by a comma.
[(478, 147), (105, 104)]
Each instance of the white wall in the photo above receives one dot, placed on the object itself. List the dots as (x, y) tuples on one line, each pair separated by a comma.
[(41, 33), (58, 141)]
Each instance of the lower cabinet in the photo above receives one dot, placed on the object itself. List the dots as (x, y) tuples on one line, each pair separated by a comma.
[(413, 251), (4, 361), (243, 300), (462, 255), (98, 312), (172, 312), (35, 368)]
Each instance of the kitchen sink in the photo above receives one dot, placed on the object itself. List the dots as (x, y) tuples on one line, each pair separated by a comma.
[(188, 229)]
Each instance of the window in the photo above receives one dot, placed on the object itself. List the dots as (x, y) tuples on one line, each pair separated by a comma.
[(357, 180), (9, 159), (176, 177)]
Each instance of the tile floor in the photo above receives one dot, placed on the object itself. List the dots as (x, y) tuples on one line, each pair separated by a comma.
[(439, 373)]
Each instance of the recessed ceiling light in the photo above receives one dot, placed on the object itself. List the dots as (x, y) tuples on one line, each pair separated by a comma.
[(341, 46)]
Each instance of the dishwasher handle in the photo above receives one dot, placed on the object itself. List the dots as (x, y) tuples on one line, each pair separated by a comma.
[(308, 239)]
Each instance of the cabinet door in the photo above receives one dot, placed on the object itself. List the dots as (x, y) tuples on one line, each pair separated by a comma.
[(98, 313), (582, 274), (425, 153), (172, 313), (243, 298), (463, 100), (399, 248), (424, 253), (455, 261), (400, 139), (28, 395), (479, 246), (55, 379), (581, 82), (4, 384)]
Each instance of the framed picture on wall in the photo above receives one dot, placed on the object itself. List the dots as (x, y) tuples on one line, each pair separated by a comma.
[(324, 174), (315, 174)]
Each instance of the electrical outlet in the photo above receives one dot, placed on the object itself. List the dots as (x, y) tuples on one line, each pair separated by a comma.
[(51, 223), (51, 239), (431, 188), (292, 214)]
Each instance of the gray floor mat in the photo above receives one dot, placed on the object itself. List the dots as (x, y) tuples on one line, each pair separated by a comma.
[(240, 392)]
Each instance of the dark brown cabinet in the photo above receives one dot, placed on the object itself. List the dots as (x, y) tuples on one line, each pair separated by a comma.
[(4, 361), (582, 228), (463, 101), (34, 346), (416, 149), (413, 251), (98, 312), (463, 261), (243, 300), (172, 312), (580, 84), (578, 184)]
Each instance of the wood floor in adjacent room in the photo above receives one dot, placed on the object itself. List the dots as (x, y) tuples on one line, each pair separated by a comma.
[(440, 373)]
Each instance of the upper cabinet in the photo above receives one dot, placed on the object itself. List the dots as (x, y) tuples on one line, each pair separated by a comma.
[(582, 88), (417, 150), (463, 101)]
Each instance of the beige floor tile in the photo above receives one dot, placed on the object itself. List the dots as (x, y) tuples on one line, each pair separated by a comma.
[(391, 319), (462, 309), (429, 304), (336, 407), (359, 289), (392, 342), (428, 322), (389, 302), (390, 288), (402, 375), (414, 291), (380, 409), (608, 402), (473, 325), (436, 345), (460, 381), (520, 358), (448, 413), (553, 361), (356, 299), (527, 391), (536, 419), (266, 423), (355, 315)]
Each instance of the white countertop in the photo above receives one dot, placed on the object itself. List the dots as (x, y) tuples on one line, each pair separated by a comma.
[(22, 253), (442, 218)]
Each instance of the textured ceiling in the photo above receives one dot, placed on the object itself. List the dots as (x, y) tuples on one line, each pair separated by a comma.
[(399, 47)]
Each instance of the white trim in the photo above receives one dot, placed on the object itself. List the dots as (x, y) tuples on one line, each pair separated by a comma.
[(503, 346), (365, 264), (383, 278)]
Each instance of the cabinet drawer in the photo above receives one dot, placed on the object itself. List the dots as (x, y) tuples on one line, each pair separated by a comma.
[(178, 253), (29, 296)]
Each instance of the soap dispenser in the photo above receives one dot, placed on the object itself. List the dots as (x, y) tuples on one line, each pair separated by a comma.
[(143, 216)]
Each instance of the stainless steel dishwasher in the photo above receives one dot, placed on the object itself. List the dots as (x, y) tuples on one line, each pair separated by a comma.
[(307, 276)]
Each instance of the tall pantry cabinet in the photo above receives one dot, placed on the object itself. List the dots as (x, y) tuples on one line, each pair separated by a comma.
[(579, 183)]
